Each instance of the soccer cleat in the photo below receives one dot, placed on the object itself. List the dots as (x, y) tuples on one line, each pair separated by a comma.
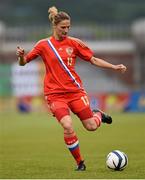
[(81, 166), (105, 117)]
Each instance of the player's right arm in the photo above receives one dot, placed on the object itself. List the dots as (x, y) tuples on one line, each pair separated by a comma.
[(20, 55), (33, 54)]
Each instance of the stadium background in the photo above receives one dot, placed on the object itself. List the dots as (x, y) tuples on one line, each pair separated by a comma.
[(115, 30), (108, 29)]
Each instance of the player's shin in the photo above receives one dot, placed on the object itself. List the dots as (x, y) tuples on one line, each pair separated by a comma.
[(72, 144)]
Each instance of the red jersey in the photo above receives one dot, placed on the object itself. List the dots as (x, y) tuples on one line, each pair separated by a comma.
[(57, 79)]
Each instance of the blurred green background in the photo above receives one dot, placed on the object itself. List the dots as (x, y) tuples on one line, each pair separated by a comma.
[(15, 12)]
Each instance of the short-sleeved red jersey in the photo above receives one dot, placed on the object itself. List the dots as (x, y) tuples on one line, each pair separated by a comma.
[(57, 79)]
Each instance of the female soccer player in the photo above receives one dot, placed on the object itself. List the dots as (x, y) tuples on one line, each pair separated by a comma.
[(63, 88)]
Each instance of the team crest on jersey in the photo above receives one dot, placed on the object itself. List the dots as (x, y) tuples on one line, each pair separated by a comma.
[(69, 50)]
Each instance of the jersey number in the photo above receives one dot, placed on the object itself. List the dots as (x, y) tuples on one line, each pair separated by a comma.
[(85, 100)]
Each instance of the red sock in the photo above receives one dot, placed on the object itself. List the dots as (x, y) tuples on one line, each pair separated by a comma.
[(97, 117), (72, 144)]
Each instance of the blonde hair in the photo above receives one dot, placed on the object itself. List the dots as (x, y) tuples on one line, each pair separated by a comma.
[(56, 17)]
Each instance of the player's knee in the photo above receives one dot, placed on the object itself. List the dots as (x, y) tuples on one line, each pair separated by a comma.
[(89, 125)]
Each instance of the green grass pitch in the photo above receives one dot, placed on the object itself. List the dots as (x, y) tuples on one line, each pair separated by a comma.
[(32, 147)]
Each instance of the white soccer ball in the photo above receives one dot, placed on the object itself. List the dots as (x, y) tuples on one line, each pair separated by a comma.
[(116, 160)]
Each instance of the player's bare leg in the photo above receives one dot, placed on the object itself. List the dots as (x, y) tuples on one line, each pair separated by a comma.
[(72, 142), (92, 123)]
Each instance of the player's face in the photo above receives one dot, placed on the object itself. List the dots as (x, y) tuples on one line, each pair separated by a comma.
[(61, 29)]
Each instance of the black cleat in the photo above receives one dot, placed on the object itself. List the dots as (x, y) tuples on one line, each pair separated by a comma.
[(81, 166), (105, 118)]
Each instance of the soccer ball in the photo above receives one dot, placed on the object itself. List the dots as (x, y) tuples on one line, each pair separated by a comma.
[(116, 160)]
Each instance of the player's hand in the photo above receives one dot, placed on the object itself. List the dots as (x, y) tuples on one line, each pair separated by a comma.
[(20, 52), (121, 68)]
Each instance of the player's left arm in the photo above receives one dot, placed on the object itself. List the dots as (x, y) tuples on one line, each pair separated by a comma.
[(101, 63)]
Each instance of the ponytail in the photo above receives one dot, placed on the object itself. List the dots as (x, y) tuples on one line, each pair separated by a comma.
[(56, 17)]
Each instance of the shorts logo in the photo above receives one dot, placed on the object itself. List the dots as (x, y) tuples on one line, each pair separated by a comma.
[(69, 50)]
